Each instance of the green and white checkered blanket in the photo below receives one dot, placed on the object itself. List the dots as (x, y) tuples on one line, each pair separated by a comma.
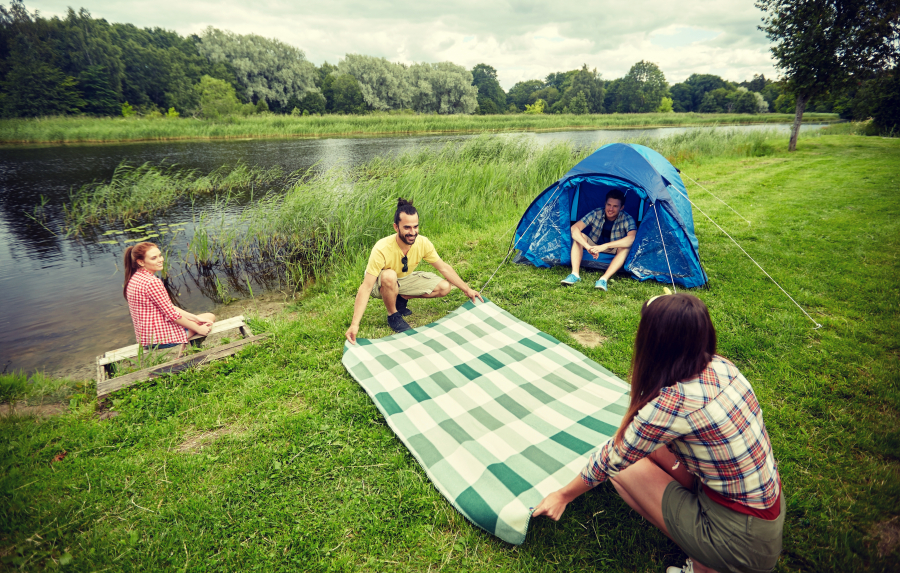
[(498, 413)]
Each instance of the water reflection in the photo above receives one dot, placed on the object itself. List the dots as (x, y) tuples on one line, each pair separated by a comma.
[(62, 299)]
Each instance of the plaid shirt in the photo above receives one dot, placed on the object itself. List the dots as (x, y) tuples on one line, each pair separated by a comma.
[(595, 219), (714, 426), (152, 312)]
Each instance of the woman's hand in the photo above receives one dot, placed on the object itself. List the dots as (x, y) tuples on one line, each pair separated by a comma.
[(552, 506), (555, 504)]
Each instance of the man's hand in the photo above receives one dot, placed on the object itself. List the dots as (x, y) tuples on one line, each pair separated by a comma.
[(351, 334), (596, 250), (473, 294)]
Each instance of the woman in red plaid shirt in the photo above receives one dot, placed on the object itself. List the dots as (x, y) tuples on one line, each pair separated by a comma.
[(157, 323), (692, 455)]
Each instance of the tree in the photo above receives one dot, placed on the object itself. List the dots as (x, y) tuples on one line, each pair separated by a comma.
[(34, 89), (821, 44), (578, 104), (217, 98), (688, 95), (549, 94), (536, 108), (442, 88), (346, 96), (267, 68), (642, 89), (887, 110), (518, 95), (588, 83), (484, 78), (665, 106), (99, 98), (383, 84)]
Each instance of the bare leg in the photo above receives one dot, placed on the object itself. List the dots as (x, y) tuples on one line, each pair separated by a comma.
[(617, 263), (389, 290), (577, 254), (205, 317), (643, 484)]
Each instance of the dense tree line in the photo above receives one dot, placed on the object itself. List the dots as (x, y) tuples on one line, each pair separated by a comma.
[(80, 64)]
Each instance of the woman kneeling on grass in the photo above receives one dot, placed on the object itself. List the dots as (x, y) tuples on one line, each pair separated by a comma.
[(714, 488), (157, 323)]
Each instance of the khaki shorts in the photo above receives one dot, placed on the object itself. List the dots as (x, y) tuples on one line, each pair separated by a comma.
[(719, 537), (416, 284), (593, 244)]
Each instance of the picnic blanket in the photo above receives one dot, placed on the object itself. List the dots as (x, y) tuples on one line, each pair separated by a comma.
[(498, 413)]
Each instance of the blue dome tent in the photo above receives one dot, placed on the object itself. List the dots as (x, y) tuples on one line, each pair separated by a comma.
[(665, 248)]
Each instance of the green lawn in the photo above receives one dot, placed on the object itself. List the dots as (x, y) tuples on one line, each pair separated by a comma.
[(70, 129), (276, 460)]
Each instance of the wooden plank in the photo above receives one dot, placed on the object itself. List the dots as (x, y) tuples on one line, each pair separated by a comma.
[(114, 384), (227, 324), (134, 349)]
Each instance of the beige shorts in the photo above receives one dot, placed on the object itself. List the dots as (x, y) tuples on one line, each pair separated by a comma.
[(593, 244), (719, 537), (416, 284)]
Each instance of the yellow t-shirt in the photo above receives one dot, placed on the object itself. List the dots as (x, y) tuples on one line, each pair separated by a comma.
[(386, 254)]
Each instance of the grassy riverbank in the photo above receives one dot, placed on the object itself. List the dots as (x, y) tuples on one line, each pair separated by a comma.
[(57, 130), (276, 460)]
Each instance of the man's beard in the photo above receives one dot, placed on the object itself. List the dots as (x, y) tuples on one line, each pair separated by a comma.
[(409, 241)]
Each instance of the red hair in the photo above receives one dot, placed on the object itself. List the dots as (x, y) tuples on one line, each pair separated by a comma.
[(675, 341), (134, 254)]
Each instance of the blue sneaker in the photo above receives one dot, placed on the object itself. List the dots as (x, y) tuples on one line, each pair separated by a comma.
[(600, 284), (570, 280)]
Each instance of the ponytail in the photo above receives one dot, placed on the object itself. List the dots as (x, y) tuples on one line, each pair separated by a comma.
[(134, 254)]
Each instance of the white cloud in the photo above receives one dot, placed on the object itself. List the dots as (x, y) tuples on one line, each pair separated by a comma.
[(522, 39)]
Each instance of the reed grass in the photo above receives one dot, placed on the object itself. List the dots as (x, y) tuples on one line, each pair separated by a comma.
[(333, 218), (136, 192), (67, 129)]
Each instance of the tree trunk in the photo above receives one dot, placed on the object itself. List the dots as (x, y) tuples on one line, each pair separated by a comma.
[(798, 119)]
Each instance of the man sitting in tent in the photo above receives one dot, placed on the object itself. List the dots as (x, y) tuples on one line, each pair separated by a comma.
[(391, 274), (612, 229)]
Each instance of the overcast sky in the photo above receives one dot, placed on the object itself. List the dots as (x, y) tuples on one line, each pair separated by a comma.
[(522, 39)]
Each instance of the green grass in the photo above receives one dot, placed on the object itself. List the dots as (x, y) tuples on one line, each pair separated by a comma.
[(275, 460), (134, 193), (66, 129)]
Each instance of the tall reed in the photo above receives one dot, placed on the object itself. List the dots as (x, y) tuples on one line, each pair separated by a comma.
[(136, 192)]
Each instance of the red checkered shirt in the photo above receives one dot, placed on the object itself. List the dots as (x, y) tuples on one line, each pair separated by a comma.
[(714, 426), (152, 312)]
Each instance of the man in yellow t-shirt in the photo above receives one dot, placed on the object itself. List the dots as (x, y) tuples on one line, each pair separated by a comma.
[(391, 274)]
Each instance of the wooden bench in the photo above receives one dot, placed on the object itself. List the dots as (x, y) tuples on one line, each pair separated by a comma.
[(106, 361), (110, 385)]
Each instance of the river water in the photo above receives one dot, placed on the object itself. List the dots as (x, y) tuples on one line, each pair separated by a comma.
[(61, 300)]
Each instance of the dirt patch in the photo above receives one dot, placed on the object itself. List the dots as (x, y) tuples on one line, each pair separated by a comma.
[(589, 338), (887, 533), (38, 410), (195, 444)]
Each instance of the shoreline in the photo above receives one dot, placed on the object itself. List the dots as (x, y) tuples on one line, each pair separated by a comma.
[(260, 134)]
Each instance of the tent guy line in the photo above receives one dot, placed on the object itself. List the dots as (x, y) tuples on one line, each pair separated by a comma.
[(818, 326), (665, 252), (711, 193)]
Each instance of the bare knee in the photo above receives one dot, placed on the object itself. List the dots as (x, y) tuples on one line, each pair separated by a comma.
[(442, 289), (388, 278)]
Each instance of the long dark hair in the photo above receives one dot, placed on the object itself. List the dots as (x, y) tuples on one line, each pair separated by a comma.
[(675, 342), (134, 254)]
